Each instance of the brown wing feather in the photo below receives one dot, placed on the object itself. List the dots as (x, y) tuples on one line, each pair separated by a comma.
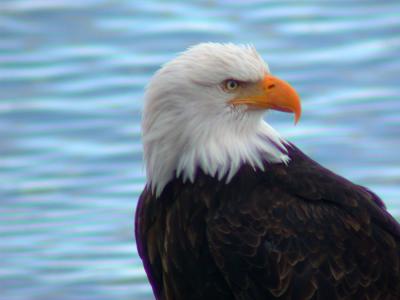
[(291, 232), (305, 233), (171, 239)]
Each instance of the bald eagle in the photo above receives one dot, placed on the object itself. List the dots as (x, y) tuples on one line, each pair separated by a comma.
[(231, 210)]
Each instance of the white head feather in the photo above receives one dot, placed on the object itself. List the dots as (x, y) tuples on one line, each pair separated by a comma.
[(187, 123)]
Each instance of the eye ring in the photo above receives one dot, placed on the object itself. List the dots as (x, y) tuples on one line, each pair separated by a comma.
[(230, 85)]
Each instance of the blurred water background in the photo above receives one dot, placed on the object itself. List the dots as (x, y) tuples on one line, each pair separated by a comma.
[(72, 75)]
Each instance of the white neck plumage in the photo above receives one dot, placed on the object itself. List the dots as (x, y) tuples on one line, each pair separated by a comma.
[(176, 146)]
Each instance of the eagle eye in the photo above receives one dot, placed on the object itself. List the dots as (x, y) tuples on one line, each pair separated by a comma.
[(230, 85)]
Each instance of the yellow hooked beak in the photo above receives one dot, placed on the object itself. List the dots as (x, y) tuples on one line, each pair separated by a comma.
[(270, 93)]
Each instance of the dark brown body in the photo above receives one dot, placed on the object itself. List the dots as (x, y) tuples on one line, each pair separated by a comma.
[(290, 232)]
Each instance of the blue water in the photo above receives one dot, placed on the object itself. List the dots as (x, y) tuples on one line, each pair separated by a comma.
[(72, 75)]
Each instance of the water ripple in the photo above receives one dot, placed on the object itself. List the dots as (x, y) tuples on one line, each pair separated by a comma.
[(72, 75)]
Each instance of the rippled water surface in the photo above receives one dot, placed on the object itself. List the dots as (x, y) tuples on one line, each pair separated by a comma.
[(71, 90)]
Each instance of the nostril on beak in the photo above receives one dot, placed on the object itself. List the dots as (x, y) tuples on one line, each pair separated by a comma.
[(271, 86)]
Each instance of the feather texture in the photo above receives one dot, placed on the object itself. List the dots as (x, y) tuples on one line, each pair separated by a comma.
[(295, 231)]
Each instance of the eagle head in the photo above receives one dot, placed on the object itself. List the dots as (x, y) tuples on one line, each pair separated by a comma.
[(204, 110)]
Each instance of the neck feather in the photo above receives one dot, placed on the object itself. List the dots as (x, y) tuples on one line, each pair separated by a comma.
[(218, 150)]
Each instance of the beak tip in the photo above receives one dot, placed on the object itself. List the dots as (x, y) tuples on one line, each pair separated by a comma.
[(297, 118)]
